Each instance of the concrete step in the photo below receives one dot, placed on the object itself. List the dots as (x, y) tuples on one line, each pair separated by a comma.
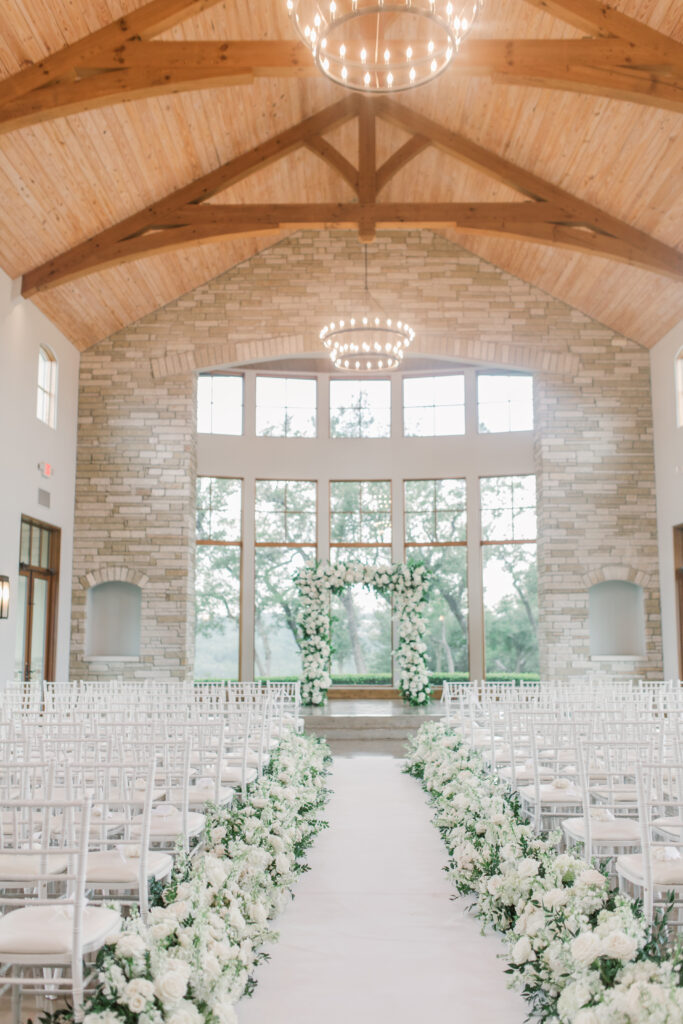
[(366, 728)]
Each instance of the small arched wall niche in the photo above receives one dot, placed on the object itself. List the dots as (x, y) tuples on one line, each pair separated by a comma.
[(616, 615), (113, 612)]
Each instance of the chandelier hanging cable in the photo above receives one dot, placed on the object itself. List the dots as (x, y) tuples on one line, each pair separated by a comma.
[(383, 47), (369, 341)]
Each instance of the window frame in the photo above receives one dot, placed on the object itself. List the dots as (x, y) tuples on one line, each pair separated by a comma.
[(503, 373), (433, 543), (212, 433), (360, 544), (207, 542), (288, 543), (47, 395), (433, 376), (333, 378), (286, 377)]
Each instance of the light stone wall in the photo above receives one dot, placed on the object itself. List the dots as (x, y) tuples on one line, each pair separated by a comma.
[(136, 468)]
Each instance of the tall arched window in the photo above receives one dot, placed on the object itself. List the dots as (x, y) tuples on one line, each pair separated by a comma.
[(46, 409), (679, 387)]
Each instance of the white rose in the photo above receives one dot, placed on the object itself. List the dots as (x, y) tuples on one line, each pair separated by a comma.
[(130, 945), (214, 871), (171, 986), (137, 993), (554, 898), (258, 913), (588, 1016), (573, 997), (180, 909), (105, 1017), (586, 948), (162, 929), (619, 946), (218, 834), (591, 877), (522, 951), (185, 1013), (527, 867), (535, 922), (235, 917), (282, 864)]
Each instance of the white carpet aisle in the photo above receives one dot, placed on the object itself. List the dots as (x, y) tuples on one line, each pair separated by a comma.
[(372, 936)]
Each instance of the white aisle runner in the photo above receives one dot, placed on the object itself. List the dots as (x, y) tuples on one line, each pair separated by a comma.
[(372, 936)]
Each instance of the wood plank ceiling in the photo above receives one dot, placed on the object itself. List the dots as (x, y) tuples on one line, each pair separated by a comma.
[(67, 179)]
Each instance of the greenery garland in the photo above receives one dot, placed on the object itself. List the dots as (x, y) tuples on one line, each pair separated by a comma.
[(194, 957), (405, 582), (580, 952)]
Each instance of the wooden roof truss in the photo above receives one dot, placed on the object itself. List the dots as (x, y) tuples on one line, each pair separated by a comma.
[(544, 213)]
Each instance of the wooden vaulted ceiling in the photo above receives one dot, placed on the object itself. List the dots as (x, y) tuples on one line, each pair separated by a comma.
[(135, 165)]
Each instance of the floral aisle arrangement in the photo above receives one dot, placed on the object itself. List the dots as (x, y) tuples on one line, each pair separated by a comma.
[(579, 951), (194, 957), (405, 583)]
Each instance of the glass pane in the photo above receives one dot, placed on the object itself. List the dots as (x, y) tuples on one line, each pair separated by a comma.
[(270, 422), (345, 527), (219, 404), (508, 506), (417, 422), (505, 402), (301, 527), (38, 629), (446, 613), (376, 528), (510, 609), (434, 405), (35, 545), (276, 649), (219, 508), (270, 528), (20, 640), (375, 495), (217, 600), (25, 553), (451, 525), (344, 495), (44, 549), (361, 636), (360, 408), (300, 423), (419, 495), (271, 391), (420, 527), (301, 393)]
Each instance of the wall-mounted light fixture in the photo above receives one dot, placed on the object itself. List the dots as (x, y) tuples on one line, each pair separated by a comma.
[(4, 597)]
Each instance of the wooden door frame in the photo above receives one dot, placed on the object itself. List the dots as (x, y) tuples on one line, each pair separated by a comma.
[(51, 575)]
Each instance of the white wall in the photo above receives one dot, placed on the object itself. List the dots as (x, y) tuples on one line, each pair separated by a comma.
[(25, 442), (669, 477)]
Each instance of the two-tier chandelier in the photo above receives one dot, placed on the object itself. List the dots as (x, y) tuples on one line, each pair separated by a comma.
[(381, 47), (369, 340)]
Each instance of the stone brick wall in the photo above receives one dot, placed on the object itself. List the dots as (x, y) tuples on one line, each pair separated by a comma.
[(136, 449)]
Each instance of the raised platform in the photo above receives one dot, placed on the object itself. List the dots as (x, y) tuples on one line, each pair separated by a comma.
[(369, 725), (369, 693)]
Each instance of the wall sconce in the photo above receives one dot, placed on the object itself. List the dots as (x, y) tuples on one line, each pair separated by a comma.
[(4, 597)]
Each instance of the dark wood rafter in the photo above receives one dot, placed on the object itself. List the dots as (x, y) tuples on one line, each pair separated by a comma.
[(121, 62), (547, 214)]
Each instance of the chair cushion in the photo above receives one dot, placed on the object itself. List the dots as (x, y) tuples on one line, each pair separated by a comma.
[(619, 830), (672, 827), (112, 866), (167, 823), (203, 793), (46, 931), (17, 866), (623, 792), (233, 774), (550, 794), (664, 872), (523, 773)]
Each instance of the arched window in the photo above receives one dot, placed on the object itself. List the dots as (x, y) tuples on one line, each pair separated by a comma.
[(679, 387), (46, 409), (616, 615), (113, 620)]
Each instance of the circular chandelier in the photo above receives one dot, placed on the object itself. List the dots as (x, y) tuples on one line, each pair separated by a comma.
[(383, 47), (367, 343)]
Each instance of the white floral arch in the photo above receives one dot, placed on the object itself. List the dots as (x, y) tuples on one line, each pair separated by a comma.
[(406, 583)]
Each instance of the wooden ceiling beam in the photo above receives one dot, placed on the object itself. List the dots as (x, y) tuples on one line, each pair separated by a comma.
[(334, 159), (81, 258), (403, 155), (550, 215), (147, 21), (527, 183)]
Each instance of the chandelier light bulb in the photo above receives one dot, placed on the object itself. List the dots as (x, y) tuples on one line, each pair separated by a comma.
[(379, 342), (355, 44)]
